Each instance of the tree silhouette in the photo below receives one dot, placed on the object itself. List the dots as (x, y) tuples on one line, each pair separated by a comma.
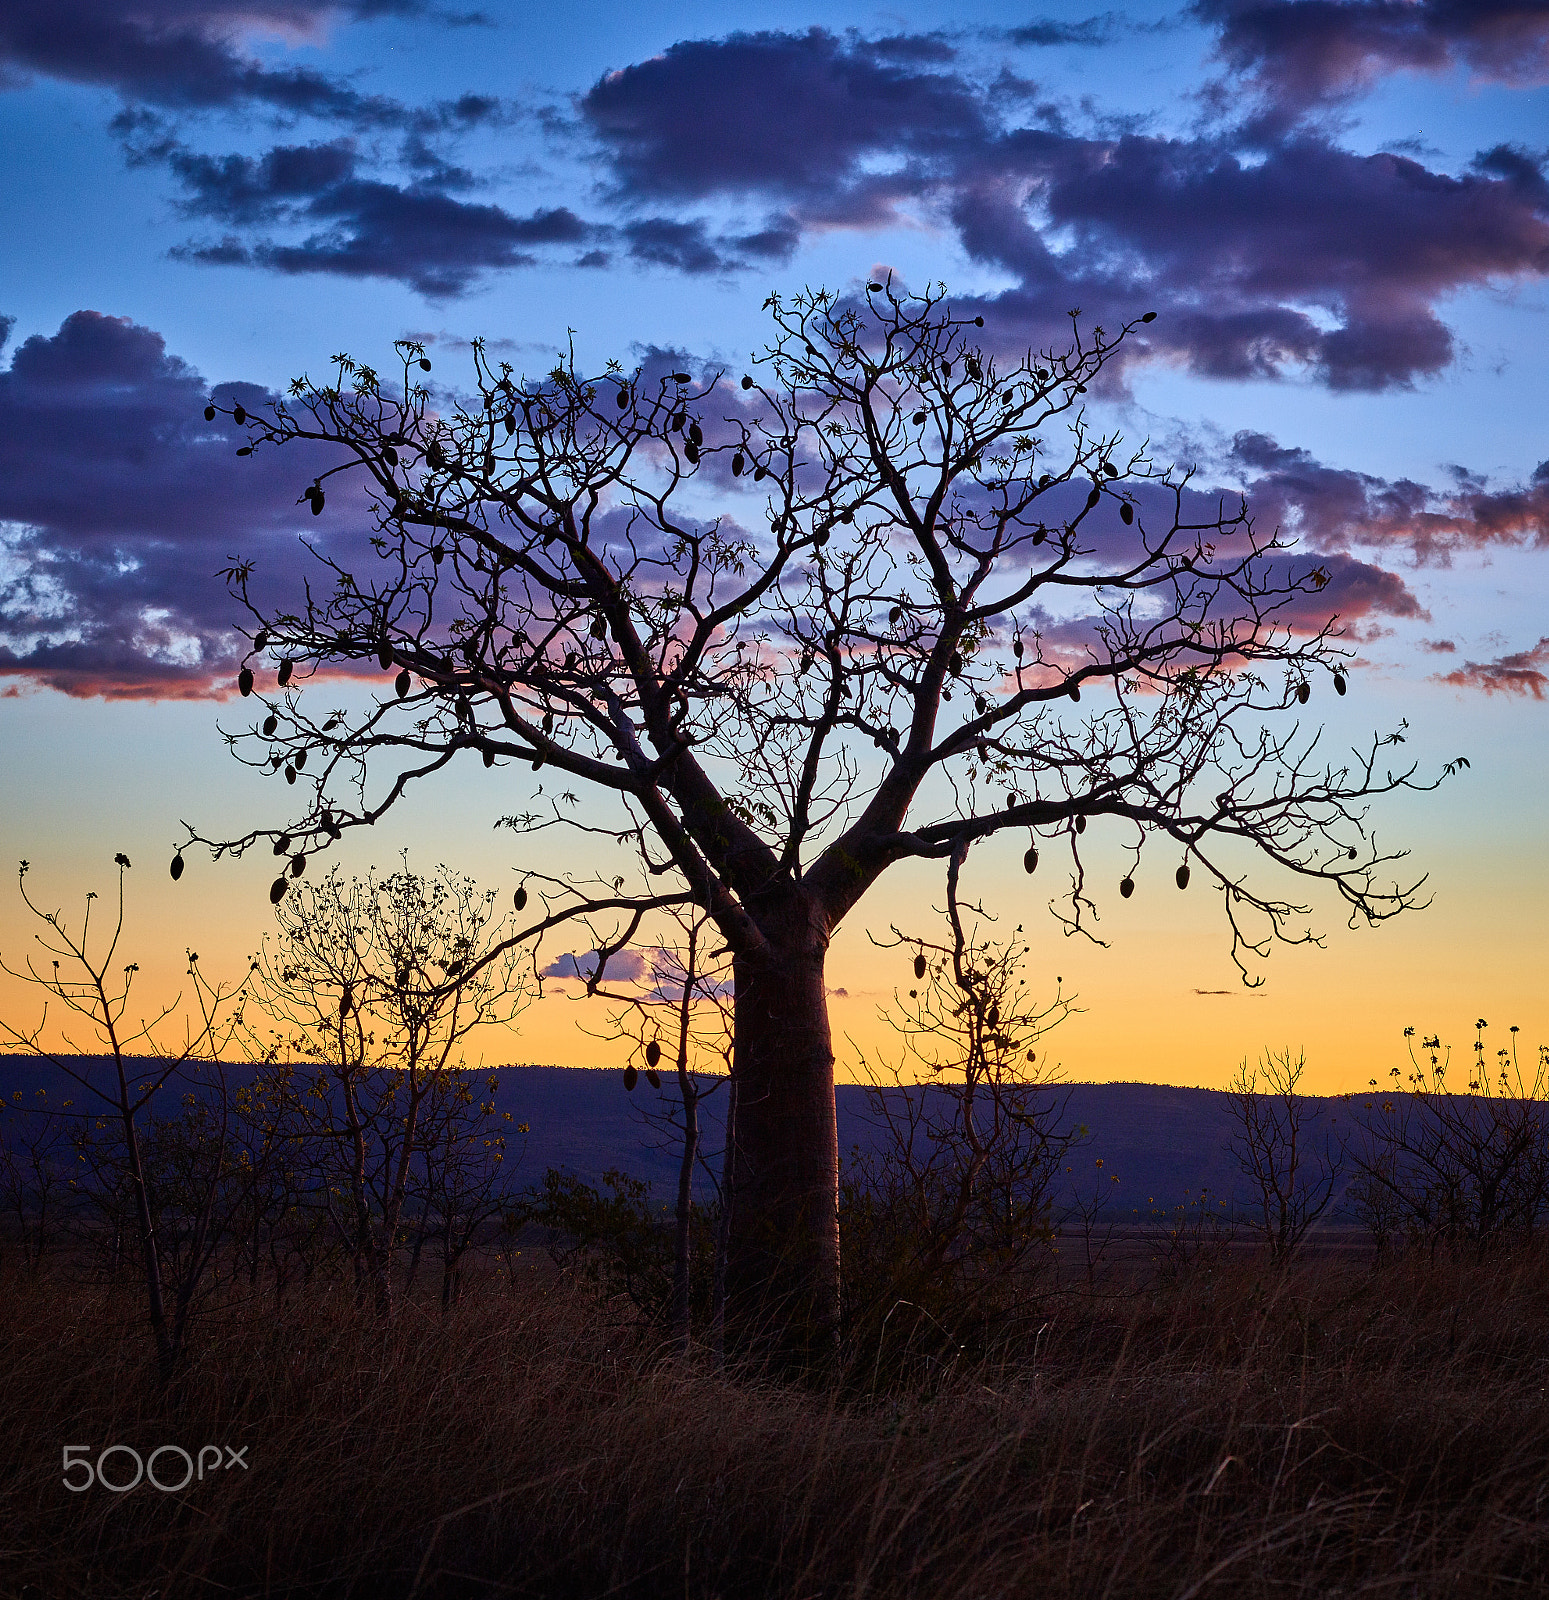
[(799, 627), (120, 1065), (370, 990)]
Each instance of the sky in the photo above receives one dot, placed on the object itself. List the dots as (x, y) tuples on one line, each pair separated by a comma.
[(1339, 210)]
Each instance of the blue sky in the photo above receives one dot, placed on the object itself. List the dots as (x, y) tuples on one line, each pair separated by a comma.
[(1339, 209)]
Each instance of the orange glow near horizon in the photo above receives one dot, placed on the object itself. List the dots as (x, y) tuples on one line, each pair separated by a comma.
[(1162, 1003)]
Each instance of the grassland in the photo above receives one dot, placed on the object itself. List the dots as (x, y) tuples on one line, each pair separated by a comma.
[(1334, 1429)]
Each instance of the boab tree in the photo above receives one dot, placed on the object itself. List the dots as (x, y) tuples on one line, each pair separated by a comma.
[(798, 625)]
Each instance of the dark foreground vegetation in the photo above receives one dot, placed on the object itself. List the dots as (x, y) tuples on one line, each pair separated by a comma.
[(301, 1329), (1234, 1429)]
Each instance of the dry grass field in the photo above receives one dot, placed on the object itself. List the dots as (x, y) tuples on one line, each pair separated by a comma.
[(1332, 1430)]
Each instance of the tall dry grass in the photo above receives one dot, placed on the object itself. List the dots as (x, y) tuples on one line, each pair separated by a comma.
[(1326, 1431)]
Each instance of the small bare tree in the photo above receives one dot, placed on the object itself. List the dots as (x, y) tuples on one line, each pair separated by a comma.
[(1088, 1216), (36, 1156), (960, 1187), (370, 988), (1285, 1148), (678, 1017), (463, 1171), (85, 981)]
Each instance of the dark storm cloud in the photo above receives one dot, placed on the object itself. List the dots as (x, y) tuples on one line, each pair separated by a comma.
[(1299, 257), (1524, 672), (1301, 54), (119, 504), (187, 54)]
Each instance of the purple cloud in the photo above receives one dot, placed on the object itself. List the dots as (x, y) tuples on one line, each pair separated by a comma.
[(1095, 30), (185, 54), (783, 114), (1332, 508), (627, 966), (1233, 251), (1301, 54), (1295, 256), (434, 243), (691, 247), (1524, 672), (118, 506)]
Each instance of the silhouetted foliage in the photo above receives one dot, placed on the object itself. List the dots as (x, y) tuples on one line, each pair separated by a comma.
[(1435, 1163), (370, 988)]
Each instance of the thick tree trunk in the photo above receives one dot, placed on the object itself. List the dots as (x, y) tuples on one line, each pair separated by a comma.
[(782, 1270)]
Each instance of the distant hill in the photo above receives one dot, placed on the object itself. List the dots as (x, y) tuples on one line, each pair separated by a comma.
[(1158, 1140)]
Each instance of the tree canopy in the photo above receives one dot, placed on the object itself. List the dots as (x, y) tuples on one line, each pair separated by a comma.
[(881, 595)]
